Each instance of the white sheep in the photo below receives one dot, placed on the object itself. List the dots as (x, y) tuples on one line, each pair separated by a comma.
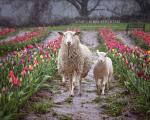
[(103, 71), (74, 59)]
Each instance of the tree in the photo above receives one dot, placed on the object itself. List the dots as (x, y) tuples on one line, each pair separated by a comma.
[(144, 5), (39, 7), (82, 6)]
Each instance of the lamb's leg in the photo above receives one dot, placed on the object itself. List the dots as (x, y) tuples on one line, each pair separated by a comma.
[(63, 79), (109, 80), (105, 80), (97, 85)]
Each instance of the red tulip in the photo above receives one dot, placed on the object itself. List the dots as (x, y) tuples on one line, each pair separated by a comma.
[(15, 81)]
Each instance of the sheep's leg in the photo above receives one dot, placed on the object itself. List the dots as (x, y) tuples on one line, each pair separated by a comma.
[(79, 83), (79, 92), (105, 80), (70, 86), (73, 84)]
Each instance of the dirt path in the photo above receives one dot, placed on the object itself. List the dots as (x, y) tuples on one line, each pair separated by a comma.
[(89, 106), (126, 39), (53, 35), (89, 38)]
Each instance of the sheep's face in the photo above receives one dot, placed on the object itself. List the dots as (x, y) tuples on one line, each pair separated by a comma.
[(101, 57), (70, 38)]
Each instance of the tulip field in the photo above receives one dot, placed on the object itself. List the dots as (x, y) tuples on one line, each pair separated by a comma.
[(24, 71), (26, 63), (4, 32), (132, 65), (21, 41), (141, 38)]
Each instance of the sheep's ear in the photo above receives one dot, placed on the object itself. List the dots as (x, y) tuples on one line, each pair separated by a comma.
[(77, 33), (61, 33)]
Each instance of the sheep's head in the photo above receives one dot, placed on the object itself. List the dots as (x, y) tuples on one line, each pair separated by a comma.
[(70, 38), (101, 56)]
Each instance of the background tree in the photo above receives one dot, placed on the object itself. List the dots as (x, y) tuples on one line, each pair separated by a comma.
[(144, 5), (39, 7), (82, 6)]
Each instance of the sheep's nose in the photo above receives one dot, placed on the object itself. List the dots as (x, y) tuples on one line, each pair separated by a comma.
[(68, 43)]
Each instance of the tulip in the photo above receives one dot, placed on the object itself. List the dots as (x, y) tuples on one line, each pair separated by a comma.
[(13, 79), (30, 67), (23, 72), (41, 56)]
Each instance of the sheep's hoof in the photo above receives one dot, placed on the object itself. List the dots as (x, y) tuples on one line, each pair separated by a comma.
[(71, 95)]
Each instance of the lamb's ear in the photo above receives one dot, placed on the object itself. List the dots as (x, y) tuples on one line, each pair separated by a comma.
[(61, 33), (77, 33), (106, 54)]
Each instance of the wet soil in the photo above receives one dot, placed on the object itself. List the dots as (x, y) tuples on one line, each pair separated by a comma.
[(126, 39)]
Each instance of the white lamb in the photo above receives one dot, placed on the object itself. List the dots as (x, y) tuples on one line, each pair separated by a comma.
[(103, 71), (74, 59)]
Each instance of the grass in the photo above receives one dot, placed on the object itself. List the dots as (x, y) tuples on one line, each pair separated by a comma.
[(65, 117), (115, 106), (113, 109), (97, 100), (69, 100), (95, 26), (2, 37), (42, 107)]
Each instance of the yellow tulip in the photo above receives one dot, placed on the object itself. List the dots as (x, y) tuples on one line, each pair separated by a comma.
[(148, 51), (30, 67), (41, 56), (19, 55)]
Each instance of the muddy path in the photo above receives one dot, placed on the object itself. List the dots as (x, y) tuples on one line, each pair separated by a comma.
[(90, 106), (126, 39)]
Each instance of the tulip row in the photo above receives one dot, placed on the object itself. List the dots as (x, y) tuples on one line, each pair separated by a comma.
[(129, 55), (132, 64), (21, 41), (23, 73), (141, 38), (5, 31)]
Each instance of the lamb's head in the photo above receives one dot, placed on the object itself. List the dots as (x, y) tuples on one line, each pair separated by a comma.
[(101, 56), (70, 38)]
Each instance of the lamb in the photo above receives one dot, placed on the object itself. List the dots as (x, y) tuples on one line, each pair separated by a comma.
[(74, 60), (103, 71)]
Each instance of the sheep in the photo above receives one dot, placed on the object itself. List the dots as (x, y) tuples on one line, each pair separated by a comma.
[(103, 71), (74, 60)]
